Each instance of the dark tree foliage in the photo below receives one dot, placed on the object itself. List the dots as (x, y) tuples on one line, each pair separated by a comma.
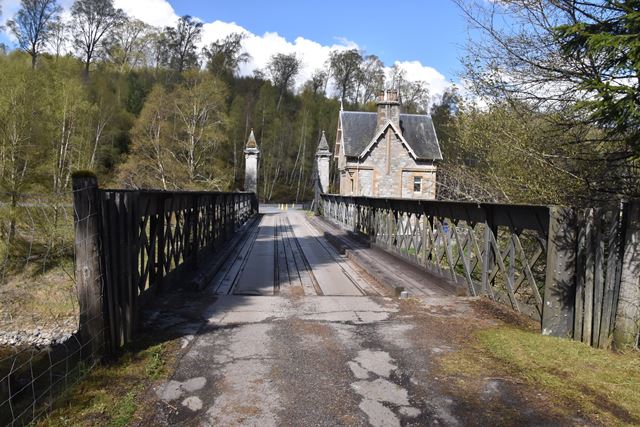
[(318, 82), (181, 40), (608, 38), (92, 22), (346, 71), (282, 69), (224, 56)]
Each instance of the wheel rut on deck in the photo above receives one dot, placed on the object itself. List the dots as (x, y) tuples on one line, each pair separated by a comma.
[(284, 255)]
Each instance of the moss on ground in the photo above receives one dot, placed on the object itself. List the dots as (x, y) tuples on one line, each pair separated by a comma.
[(602, 385), (114, 394)]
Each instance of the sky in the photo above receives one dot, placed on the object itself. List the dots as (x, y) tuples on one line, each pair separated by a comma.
[(425, 37)]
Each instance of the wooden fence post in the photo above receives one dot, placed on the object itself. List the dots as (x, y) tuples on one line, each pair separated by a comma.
[(560, 284), (89, 281), (627, 323)]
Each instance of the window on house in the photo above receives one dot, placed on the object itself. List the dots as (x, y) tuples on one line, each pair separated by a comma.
[(417, 184)]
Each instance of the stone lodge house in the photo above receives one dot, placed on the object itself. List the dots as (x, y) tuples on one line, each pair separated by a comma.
[(387, 154)]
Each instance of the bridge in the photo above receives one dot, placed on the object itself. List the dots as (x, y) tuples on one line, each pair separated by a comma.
[(287, 317), (333, 313)]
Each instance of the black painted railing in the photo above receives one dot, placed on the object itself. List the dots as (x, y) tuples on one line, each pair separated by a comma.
[(560, 266), (133, 244)]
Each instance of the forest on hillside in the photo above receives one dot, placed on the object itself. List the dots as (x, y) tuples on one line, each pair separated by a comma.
[(550, 112)]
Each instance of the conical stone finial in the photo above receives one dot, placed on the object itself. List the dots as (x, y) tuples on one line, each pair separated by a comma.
[(323, 145), (251, 155), (251, 142)]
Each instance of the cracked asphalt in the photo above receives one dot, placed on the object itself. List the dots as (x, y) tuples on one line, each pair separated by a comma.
[(294, 359)]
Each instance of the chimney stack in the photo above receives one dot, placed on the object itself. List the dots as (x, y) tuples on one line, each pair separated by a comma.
[(388, 107)]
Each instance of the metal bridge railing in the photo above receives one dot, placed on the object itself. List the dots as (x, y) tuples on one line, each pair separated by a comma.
[(148, 241), (560, 266)]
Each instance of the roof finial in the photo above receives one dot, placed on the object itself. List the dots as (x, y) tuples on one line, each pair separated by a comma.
[(323, 145), (251, 142)]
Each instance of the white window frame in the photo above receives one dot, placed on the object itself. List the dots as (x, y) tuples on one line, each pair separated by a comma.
[(420, 181)]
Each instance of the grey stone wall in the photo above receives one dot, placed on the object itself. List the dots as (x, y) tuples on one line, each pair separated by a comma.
[(365, 182), (323, 173), (370, 177)]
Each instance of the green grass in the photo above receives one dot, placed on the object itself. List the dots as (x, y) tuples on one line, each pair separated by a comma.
[(112, 394), (34, 298), (603, 385)]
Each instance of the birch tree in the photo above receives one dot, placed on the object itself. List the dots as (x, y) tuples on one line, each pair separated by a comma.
[(15, 140), (201, 118), (151, 162), (127, 43)]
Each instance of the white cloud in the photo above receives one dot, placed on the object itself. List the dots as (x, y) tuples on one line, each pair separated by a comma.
[(438, 83), (160, 13), (262, 47), (9, 9)]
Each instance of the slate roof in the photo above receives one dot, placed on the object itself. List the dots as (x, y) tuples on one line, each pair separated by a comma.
[(359, 128)]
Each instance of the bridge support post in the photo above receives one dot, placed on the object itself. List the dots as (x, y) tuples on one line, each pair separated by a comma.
[(627, 324), (89, 282), (251, 160), (560, 284), (322, 166)]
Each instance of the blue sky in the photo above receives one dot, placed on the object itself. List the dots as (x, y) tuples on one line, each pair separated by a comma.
[(430, 31), (425, 37)]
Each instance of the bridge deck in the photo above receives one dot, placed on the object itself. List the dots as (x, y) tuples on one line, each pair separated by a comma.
[(285, 255), (289, 333)]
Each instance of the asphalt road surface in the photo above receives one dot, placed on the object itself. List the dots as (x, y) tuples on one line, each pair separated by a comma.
[(289, 333)]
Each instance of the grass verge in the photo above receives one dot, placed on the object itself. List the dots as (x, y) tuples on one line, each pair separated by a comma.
[(113, 394), (602, 385), (33, 298)]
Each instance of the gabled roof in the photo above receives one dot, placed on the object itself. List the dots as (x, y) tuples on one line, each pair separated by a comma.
[(359, 129), (381, 132)]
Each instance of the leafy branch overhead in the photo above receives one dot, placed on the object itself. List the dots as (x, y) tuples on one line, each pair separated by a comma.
[(575, 62)]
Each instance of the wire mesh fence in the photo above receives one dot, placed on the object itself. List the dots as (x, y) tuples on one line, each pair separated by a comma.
[(32, 379), (36, 267), (111, 250), (42, 352)]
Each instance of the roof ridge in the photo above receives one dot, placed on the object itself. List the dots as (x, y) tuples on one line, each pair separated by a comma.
[(415, 115)]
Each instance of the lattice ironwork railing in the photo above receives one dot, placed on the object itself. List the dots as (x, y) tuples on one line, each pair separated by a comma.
[(496, 250), (150, 239)]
